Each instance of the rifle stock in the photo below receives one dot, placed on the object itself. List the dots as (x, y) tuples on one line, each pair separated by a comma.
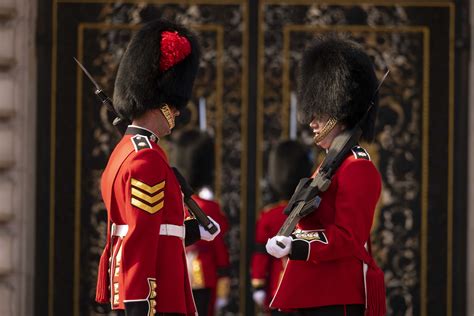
[(307, 198)]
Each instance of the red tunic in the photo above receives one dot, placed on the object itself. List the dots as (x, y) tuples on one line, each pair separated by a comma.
[(209, 260), (266, 271), (140, 190), (331, 275), (210, 256)]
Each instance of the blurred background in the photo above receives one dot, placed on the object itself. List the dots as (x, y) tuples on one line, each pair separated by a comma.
[(55, 138)]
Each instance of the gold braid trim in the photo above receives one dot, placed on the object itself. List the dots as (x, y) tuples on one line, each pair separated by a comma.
[(165, 109), (331, 123)]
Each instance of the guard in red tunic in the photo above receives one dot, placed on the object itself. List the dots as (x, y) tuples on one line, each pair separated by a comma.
[(208, 262), (143, 270), (325, 274), (288, 162)]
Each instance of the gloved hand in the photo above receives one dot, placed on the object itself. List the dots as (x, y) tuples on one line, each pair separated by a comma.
[(259, 297), (221, 303), (275, 250), (207, 236)]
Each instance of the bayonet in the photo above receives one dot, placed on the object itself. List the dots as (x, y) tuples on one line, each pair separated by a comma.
[(118, 121)]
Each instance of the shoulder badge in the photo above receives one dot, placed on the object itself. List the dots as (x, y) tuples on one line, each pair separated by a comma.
[(140, 142), (311, 235), (360, 153)]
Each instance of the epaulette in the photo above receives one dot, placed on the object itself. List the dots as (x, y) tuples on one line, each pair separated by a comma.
[(140, 142), (360, 153)]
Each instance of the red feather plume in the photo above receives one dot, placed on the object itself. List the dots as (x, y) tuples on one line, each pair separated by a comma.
[(174, 48)]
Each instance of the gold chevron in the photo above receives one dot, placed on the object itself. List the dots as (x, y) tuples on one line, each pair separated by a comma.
[(147, 208), (146, 187), (147, 198)]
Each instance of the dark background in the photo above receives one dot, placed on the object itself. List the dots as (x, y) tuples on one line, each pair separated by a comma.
[(420, 232)]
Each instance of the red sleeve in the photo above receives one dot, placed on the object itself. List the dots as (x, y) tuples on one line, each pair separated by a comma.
[(145, 187), (221, 251), (260, 263), (220, 218), (358, 190), (222, 255)]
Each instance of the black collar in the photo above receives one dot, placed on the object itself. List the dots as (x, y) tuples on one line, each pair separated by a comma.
[(134, 130)]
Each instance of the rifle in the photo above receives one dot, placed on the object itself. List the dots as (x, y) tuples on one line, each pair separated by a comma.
[(192, 205), (121, 124), (306, 199)]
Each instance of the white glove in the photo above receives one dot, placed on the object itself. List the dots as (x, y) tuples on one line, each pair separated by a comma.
[(221, 303), (259, 297), (207, 236), (275, 250)]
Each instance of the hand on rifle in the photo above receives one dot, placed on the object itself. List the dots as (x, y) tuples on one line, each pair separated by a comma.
[(274, 246), (207, 236)]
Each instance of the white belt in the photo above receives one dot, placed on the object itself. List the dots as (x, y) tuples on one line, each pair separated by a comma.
[(119, 230), (165, 230), (172, 230)]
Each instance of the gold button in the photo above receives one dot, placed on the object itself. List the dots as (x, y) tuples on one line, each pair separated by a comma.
[(116, 299), (153, 311), (153, 294)]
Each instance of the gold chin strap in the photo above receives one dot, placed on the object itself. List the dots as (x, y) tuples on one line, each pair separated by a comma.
[(165, 109), (331, 123)]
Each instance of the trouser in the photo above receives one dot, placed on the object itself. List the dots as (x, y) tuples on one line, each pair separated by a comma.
[(335, 310), (140, 309), (202, 298), (121, 312), (275, 312)]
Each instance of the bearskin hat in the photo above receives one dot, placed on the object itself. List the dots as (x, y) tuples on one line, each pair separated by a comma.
[(158, 67), (287, 164), (194, 157), (337, 79)]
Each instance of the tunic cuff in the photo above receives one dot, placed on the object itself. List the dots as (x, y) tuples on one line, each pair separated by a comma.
[(192, 231), (260, 248), (258, 284), (299, 250), (223, 272)]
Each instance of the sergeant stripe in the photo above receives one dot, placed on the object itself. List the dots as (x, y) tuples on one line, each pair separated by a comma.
[(147, 198), (147, 208), (145, 187)]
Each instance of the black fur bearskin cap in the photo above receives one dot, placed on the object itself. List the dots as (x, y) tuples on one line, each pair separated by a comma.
[(337, 78), (287, 164), (140, 85), (194, 157)]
